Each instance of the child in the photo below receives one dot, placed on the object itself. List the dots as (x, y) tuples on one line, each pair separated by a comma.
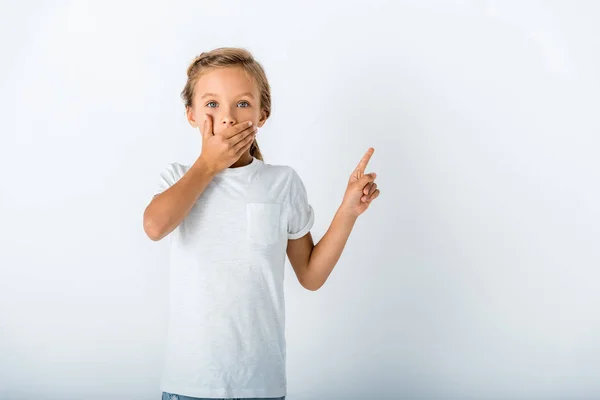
[(234, 218)]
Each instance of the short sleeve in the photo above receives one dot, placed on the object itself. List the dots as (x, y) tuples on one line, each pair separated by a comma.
[(301, 213), (168, 176)]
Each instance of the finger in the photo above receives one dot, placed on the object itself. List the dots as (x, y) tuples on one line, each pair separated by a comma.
[(237, 129), (366, 199), (367, 188), (362, 165), (372, 188), (207, 126), (362, 182), (374, 196), (245, 148), (244, 144), (243, 135)]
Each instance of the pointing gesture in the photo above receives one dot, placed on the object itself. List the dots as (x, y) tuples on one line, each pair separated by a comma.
[(362, 189), (359, 172)]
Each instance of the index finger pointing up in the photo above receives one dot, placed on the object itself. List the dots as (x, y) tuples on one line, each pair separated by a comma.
[(362, 165)]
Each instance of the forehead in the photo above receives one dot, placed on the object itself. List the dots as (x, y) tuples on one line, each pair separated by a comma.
[(225, 81)]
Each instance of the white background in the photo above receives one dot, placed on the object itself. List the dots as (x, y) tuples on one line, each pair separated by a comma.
[(475, 274)]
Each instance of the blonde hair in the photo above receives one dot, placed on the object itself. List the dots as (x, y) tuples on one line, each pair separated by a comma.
[(229, 57)]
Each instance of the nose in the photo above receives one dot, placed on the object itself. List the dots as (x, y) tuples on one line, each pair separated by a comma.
[(228, 121)]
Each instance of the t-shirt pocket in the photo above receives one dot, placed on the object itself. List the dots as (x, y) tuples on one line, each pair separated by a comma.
[(263, 222)]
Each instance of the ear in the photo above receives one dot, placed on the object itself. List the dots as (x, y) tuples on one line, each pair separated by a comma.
[(262, 119), (189, 113)]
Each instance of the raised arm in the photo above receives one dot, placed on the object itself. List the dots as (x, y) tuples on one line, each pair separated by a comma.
[(313, 263)]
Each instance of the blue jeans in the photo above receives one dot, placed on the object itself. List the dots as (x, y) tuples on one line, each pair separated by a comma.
[(171, 396)]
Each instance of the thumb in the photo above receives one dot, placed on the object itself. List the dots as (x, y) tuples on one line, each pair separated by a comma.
[(207, 127), (366, 179)]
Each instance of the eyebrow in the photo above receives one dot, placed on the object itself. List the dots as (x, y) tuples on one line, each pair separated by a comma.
[(216, 95)]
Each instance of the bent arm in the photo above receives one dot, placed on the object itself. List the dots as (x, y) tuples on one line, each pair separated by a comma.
[(167, 209)]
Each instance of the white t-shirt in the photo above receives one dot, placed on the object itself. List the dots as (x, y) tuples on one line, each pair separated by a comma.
[(226, 334)]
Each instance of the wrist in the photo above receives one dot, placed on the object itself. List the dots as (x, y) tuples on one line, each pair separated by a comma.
[(346, 213), (203, 165)]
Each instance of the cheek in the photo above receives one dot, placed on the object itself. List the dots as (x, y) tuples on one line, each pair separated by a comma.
[(202, 116), (199, 116), (247, 114), (253, 114)]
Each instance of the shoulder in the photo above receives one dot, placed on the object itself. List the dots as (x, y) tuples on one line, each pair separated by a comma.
[(172, 172), (176, 168)]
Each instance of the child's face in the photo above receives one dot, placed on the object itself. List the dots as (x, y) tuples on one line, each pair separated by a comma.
[(229, 96)]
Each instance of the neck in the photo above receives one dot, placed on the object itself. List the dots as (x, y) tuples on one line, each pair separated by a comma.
[(242, 161)]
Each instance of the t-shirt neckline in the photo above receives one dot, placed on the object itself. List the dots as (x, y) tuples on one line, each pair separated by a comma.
[(243, 170)]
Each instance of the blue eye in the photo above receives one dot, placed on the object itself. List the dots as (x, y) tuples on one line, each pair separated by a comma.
[(246, 104)]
